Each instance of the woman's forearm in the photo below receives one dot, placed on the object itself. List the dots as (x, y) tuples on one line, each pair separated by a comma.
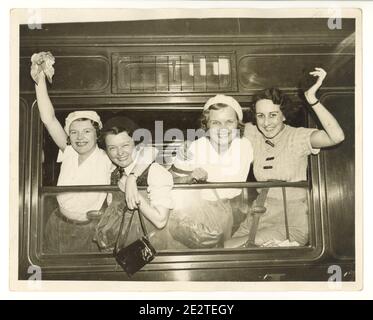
[(332, 133), (45, 105), (329, 123), (47, 114), (157, 215)]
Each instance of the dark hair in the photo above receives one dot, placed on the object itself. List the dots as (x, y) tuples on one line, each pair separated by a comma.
[(287, 106), (116, 126), (94, 124), (206, 114)]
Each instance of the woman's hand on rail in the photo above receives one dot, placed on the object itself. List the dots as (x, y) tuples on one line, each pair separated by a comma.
[(199, 175)]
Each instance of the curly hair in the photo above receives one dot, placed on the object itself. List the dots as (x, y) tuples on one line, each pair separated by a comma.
[(288, 108), (116, 126), (94, 124), (204, 119)]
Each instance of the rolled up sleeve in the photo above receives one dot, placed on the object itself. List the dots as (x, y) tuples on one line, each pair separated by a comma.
[(302, 141), (160, 184)]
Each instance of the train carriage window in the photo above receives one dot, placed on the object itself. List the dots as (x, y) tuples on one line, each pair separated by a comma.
[(187, 198)]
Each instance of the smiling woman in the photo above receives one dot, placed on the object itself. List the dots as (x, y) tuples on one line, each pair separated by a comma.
[(83, 135), (120, 148), (269, 118), (223, 155), (70, 227), (117, 136), (281, 153)]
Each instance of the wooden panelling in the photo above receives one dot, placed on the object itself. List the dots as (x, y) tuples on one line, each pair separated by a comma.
[(191, 27), (340, 177)]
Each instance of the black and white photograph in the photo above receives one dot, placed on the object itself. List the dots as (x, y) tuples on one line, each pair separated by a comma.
[(177, 148)]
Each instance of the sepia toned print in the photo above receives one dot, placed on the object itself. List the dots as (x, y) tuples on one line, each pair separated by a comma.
[(226, 144)]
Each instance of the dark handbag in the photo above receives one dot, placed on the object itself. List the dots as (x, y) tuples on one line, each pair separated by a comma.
[(136, 255)]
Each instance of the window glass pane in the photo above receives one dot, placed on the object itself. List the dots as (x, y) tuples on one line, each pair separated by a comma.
[(136, 73), (199, 221), (225, 218), (225, 72), (212, 70), (162, 73), (80, 74), (199, 71), (66, 228), (124, 72), (173, 73), (265, 71), (187, 73), (202, 221), (149, 68)]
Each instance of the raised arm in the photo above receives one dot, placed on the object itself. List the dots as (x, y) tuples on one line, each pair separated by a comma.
[(332, 133), (47, 114)]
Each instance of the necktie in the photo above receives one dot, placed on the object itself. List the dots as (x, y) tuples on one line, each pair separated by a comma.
[(121, 172), (117, 174)]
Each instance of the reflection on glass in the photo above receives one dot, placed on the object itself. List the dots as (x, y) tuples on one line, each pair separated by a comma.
[(256, 71), (201, 222), (62, 234), (212, 73), (201, 219), (148, 69), (162, 73), (136, 73), (187, 73), (174, 73), (199, 73)]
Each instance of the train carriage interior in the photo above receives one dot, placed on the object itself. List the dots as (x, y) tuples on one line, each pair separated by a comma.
[(160, 73)]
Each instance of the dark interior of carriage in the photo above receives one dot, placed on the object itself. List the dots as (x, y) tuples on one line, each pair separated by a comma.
[(123, 68)]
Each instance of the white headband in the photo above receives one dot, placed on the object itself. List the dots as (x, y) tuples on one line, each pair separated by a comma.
[(221, 98), (91, 115)]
